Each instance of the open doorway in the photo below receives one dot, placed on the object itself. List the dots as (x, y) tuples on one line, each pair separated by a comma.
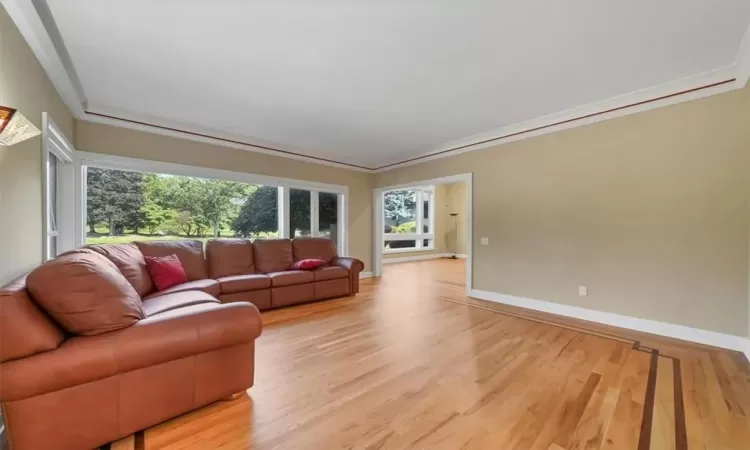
[(425, 228)]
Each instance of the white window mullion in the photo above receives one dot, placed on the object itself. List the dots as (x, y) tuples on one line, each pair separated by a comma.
[(420, 215), (314, 214), (284, 211), (341, 229)]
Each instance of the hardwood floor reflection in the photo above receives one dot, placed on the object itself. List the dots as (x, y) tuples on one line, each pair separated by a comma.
[(411, 362)]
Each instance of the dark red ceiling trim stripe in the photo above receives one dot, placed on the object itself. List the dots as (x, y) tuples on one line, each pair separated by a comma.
[(531, 130), (562, 122), (285, 152)]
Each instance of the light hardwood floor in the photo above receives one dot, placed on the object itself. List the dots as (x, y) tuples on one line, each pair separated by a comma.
[(411, 362)]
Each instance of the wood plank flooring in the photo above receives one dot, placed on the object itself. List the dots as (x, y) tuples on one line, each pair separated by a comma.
[(412, 363)]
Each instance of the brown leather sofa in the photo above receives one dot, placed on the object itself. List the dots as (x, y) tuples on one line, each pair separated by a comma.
[(68, 384)]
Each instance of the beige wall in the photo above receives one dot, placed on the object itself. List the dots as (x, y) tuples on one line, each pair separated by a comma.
[(650, 211), (91, 137), (23, 85), (456, 235)]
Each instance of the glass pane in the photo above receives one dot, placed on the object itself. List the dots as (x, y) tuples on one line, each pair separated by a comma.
[(299, 212), (258, 217), (400, 211), (400, 244), (425, 212), (125, 206), (328, 212)]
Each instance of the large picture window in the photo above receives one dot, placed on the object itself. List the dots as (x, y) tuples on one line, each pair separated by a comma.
[(123, 204), (408, 219)]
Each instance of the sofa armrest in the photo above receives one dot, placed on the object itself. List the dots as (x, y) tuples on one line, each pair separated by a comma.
[(354, 266), (351, 264), (154, 340)]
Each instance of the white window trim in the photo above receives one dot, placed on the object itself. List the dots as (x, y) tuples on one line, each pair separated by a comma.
[(417, 237), (55, 143), (103, 161)]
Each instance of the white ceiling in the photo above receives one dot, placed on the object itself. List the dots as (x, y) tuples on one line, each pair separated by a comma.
[(373, 82)]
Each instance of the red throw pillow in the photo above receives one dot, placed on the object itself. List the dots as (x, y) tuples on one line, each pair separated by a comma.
[(308, 264), (165, 271)]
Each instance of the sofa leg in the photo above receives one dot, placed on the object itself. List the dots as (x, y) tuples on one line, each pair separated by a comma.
[(234, 396)]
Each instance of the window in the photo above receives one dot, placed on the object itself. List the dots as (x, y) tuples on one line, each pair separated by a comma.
[(125, 206), (121, 202), (408, 219), (58, 226)]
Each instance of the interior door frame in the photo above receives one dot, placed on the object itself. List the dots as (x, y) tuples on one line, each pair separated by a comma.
[(377, 219)]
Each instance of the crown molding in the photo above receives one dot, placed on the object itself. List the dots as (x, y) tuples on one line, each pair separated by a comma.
[(678, 91), (37, 26), (35, 23), (743, 59), (215, 139)]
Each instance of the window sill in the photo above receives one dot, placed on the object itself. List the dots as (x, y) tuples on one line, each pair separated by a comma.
[(406, 250)]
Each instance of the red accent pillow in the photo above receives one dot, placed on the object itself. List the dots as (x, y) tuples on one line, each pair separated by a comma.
[(165, 271), (308, 264)]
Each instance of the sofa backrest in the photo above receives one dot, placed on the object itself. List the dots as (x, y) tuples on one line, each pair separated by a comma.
[(85, 293), (131, 263), (189, 252), (314, 248), (227, 257), (273, 255), (25, 329)]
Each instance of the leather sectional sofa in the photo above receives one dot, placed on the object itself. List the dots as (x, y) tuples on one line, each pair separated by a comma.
[(79, 373)]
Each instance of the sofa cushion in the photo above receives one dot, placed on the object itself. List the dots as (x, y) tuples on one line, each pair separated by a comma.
[(273, 255), (168, 302), (261, 299), (227, 257), (291, 277), (130, 261), (330, 273), (158, 339), (190, 253), (85, 293), (314, 248), (210, 287), (25, 329), (165, 271), (308, 264), (244, 283)]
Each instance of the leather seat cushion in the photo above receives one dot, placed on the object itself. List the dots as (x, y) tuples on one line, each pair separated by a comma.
[(291, 278), (168, 302), (210, 287), (244, 283), (330, 273)]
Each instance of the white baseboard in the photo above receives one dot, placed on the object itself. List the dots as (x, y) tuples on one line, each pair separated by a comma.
[(363, 275), (420, 257), (682, 332)]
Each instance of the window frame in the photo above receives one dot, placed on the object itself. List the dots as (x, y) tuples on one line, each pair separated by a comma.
[(419, 216), (56, 145), (103, 161)]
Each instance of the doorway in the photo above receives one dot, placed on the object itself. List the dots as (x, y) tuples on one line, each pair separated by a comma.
[(424, 220)]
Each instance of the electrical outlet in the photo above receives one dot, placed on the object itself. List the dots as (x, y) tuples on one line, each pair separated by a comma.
[(485, 241), (583, 291)]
